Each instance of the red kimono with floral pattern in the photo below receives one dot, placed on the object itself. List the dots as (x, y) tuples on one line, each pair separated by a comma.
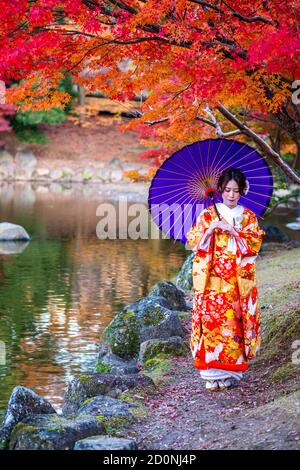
[(226, 313)]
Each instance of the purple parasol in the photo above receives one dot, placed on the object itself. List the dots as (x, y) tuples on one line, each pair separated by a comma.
[(184, 184)]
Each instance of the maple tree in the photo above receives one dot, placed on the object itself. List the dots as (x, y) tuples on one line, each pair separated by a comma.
[(210, 67)]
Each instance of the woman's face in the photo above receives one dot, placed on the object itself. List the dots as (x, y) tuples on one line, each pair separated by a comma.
[(231, 194)]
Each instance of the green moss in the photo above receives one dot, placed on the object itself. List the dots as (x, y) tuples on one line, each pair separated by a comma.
[(154, 316), (86, 175), (122, 334), (129, 397), (22, 428), (184, 315), (157, 367), (164, 349), (102, 367), (284, 372), (113, 424), (84, 379), (127, 314), (88, 401)]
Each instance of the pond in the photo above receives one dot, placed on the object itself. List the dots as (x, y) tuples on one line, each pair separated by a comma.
[(64, 286)]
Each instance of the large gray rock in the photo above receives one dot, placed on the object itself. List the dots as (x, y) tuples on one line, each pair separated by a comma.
[(184, 279), (7, 170), (174, 296), (12, 232), (7, 165), (52, 432), (106, 406), (25, 164), (110, 362), (26, 158), (91, 385), (5, 156), (174, 346), (105, 443), (137, 322), (23, 402)]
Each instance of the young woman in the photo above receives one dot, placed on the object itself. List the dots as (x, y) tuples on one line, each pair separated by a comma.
[(226, 314)]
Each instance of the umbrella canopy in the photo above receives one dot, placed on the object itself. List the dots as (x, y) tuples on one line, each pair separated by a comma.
[(179, 189)]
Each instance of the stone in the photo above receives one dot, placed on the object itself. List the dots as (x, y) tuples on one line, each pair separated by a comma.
[(7, 169), (88, 173), (174, 346), (41, 173), (25, 158), (106, 406), (174, 296), (78, 178), (52, 432), (130, 167), (23, 402), (67, 172), (56, 175), (110, 362), (184, 278), (12, 232), (23, 173), (145, 319), (91, 385), (105, 443), (116, 176), (115, 162), (99, 165), (5, 156), (104, 174)]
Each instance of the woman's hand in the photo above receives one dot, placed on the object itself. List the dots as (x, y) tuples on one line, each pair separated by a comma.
[(212, 226), (222, 225)]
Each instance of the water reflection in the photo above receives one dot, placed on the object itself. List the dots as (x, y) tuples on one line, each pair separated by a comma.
[(58, 294)]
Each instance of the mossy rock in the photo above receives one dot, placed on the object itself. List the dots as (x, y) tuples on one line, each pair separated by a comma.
[(174, 296), (122, 334), (114, 424), (157, 368), (52, 432), (174, 346), (184, 278), (145, 319)]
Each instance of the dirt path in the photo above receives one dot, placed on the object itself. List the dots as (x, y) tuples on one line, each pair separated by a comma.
[(183, 415)]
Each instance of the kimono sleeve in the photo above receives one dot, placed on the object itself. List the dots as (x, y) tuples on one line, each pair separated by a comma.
[(250, 238), (197, 237)]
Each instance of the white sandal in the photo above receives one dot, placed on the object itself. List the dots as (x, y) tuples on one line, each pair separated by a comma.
[(211, 385), (225, 383)]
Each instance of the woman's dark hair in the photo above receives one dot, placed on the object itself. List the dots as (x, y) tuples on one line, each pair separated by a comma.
[(232, 174)]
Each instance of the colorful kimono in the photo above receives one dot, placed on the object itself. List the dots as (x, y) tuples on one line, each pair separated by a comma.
[(226, 314)]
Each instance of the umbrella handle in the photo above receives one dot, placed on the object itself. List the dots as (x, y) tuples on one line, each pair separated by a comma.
[(212, 198)]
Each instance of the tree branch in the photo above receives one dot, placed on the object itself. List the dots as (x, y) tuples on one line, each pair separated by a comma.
[(264, 146)]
